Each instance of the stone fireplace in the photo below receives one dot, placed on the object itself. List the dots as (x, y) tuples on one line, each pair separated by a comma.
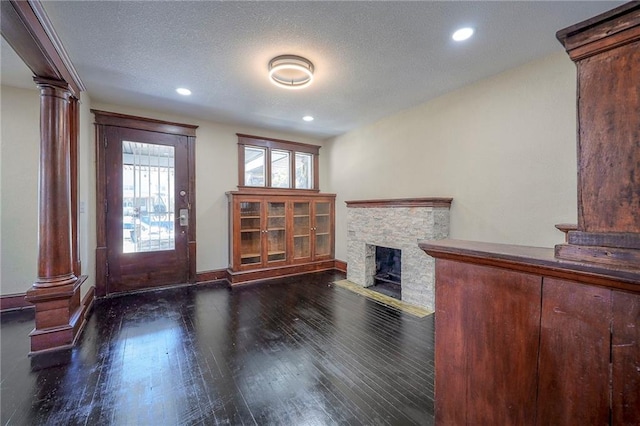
[(397, 224)]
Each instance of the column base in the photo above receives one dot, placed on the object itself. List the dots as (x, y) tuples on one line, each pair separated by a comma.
[(59, 316)]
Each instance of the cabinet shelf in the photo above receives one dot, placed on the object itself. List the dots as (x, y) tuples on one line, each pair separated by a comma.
[(275, 216), (248, 255), (277, 229), (301, 236), (249, 217), (250, 230), (322, 233)]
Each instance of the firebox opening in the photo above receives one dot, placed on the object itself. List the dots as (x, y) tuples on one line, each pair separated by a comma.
[(387, 279)]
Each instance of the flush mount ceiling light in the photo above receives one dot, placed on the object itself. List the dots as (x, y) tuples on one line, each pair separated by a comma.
[(290, 71), (183, 91), (462, 34), (307, 118)]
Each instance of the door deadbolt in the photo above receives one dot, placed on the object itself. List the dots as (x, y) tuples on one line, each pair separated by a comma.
[(184, 217)]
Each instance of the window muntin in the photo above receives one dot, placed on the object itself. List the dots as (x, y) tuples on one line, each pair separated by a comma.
[(272, 163)]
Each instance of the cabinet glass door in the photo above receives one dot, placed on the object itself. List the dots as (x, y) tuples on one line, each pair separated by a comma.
[(276, 232), (323, 228), (250, 233), (301, 230)]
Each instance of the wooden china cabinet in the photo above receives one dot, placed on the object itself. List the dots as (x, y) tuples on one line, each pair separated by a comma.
[(276, 233)]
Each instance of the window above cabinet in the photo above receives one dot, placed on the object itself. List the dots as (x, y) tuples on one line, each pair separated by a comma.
[(277, 164)]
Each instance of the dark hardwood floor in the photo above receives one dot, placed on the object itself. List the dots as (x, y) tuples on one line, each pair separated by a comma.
[(293, 351)]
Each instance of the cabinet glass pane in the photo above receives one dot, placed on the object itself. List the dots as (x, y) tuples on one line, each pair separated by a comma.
[(304, 170), (323, 229), (323, 245), (254, 162), (280, 169), (301, 230), (250, 233), (276, 227)]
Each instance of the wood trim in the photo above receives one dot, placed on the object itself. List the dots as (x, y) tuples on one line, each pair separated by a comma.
[(28, 30), (107, 118), (278, 143), (213, 275), (85, 313), (340, 265), (589, 37), (401, 202), (535, 260), (191, 147), (252, 190), (605, 239), (245, 277), (74, 129), (611, 256), (14, 302), (565, 228)]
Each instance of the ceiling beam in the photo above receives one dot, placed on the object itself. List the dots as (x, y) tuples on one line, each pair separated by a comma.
[(28, 30)]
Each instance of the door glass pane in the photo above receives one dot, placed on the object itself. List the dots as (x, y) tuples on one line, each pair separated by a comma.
[(304, 171), (301, 230), (276, 228), (280, 169), (250, 233), (254, 166), (148, 188)]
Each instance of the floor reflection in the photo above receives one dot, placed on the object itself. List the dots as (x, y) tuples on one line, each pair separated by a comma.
[(292, 351)]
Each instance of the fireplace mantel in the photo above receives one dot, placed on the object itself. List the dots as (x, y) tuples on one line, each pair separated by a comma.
[(401, 202)]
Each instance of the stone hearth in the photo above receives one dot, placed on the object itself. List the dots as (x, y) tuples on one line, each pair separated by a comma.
[(398, 224)]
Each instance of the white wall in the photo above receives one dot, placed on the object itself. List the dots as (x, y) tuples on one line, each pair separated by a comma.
[(20, 150), (216, 173), (87, 193), (503, 148)]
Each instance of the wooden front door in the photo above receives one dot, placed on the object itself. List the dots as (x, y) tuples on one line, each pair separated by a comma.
[(148, 208)]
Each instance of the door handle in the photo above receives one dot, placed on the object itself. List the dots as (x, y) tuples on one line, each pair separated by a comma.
[(184, 217)]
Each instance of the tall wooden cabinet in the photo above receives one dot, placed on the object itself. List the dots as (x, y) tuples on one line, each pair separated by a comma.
[(276, 233)]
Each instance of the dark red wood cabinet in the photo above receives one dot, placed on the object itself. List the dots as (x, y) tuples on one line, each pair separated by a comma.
[(523, 339)]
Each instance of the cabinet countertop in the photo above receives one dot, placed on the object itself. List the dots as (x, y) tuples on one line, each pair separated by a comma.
[(536, 260)]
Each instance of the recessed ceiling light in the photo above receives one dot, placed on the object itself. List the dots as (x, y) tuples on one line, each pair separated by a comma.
[(290, 71), (183, 91), (462, 34), (307, 118)]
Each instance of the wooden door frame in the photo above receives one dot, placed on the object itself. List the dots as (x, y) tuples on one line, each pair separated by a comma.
[(104, 119)]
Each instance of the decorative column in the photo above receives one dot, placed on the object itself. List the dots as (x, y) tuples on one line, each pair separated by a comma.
[(56, 291)]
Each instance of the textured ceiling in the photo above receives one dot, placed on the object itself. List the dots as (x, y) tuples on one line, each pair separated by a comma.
[(371, 58)]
